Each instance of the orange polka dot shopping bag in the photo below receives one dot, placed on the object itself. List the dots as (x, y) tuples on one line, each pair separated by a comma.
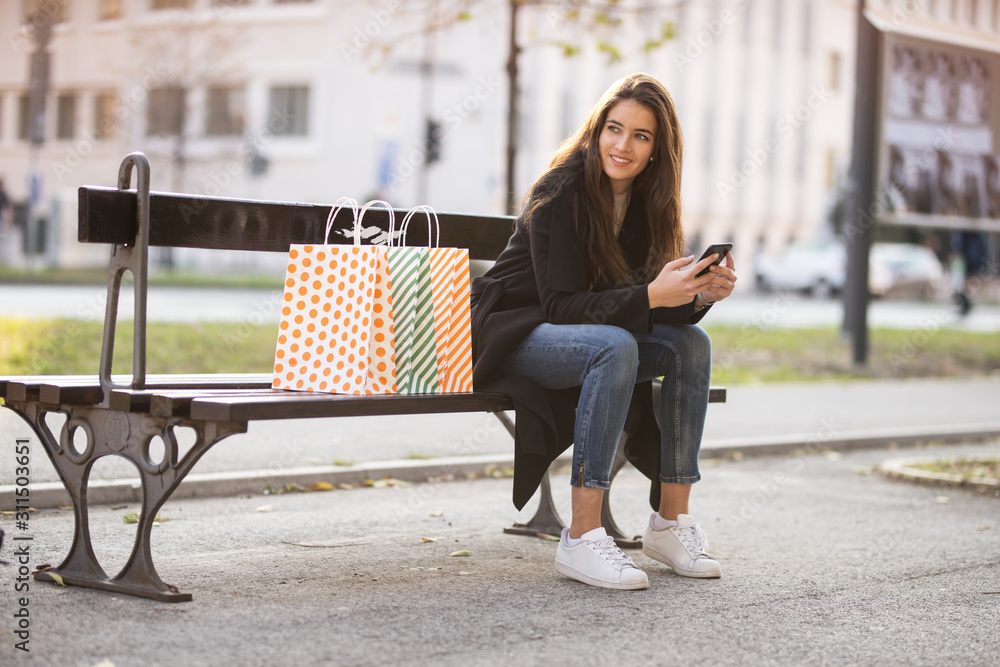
[(336, 331)]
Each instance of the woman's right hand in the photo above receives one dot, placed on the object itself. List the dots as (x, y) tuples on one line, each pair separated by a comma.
[(677, 286)]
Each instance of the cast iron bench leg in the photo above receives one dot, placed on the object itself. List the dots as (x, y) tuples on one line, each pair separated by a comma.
[(110, 432), (547, 520)]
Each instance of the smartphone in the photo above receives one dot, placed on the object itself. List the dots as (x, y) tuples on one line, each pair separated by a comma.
[(721, 248)]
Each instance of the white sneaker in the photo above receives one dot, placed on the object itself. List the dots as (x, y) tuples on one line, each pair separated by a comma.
[(598, 561), (683, 547)]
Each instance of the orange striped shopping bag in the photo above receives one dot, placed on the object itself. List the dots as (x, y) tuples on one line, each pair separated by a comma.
[(450, 283), (335, 333)]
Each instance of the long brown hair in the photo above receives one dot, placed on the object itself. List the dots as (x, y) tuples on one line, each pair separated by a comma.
[(577, 163)]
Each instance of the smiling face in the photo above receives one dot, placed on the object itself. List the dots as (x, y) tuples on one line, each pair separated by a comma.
[(626, 143)]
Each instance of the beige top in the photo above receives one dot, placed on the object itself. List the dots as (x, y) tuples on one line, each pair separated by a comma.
[(621, 206)]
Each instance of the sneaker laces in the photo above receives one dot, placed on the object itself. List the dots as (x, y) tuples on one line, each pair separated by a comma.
[(609, 551), (693, 539)]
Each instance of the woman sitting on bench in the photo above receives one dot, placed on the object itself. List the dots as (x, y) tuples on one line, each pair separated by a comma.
[(591, 300)]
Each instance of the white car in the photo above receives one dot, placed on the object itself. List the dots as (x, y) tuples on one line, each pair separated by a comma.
[(904, 269), (821, 269), (804, 267)]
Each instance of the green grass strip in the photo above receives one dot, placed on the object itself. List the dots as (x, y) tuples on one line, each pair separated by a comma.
[(741, 355)]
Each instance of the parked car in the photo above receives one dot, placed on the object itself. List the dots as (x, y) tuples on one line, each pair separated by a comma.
[(904, 269), (818, 269), (821, 269)]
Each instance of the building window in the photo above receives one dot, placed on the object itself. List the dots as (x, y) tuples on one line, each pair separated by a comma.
[(748, 23), (171, 4), (225, 111), (65, 116), (806, 27), (801, 153), (109, 10), (24, 117), (104, 115), (289, 115), (709, 145), (956, 10), (741, 140), (37, 11), (834, 71), (779, 7), (971, 15), (166, 111)]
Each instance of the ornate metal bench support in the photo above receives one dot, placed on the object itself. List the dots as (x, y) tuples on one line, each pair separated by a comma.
[(547, 520), (110, 432), (134, 258)]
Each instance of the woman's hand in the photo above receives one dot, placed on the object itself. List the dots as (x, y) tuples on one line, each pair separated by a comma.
[(676, 286), (723, 281)]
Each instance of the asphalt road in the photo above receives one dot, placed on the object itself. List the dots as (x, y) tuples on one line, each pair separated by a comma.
[(824, 563), (260, 306)]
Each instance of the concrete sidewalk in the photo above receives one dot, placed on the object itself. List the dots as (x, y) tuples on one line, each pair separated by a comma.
[(824, 562), (757, 419)]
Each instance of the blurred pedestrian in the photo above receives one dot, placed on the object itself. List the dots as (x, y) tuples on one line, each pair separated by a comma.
[(592, 299), (6, 211), (969, 263)]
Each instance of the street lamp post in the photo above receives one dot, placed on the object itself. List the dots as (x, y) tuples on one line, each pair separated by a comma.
[(860, 224), (38, 87)]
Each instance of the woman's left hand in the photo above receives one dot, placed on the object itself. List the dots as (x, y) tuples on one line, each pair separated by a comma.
[(723, 281)]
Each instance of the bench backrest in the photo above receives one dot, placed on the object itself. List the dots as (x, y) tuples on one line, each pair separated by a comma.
[(108, 215)]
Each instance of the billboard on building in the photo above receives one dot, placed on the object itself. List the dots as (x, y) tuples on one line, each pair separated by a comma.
[(939, 158)]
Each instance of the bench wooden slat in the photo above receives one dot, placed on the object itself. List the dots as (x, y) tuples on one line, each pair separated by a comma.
[(304, 405), (26, 387), (86, 390), (107, 215), (174, 402)]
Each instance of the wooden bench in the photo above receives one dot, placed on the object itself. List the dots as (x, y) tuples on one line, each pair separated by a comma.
[(123, 415)]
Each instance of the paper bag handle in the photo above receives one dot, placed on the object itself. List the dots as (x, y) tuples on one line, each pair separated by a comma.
[(388, 208), (337, 205), (428, 211)]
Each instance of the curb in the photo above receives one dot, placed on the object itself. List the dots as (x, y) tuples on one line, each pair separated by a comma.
[(847, 440), (210, 485), (103, 492), (905, 469)]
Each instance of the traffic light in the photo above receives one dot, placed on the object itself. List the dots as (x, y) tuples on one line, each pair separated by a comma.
[(432, 142)]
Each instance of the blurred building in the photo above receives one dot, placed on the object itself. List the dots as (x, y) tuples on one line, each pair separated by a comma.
[(310, 100)]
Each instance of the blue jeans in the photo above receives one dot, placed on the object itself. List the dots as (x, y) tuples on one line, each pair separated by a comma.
[(606, 362)]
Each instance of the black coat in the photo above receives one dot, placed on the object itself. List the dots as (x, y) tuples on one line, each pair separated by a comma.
[(543, 276)]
